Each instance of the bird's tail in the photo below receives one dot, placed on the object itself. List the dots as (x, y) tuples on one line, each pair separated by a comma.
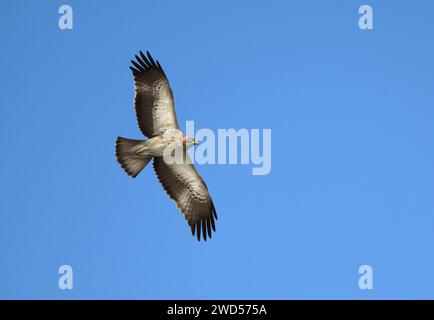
[(128, 158)]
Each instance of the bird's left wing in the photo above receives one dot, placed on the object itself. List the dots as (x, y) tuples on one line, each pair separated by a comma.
[(155, 107), (186, 187)]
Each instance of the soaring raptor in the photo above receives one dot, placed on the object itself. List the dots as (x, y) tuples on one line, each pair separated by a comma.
[(155, 110)]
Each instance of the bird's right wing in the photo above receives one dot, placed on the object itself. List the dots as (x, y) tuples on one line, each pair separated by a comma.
[(186, 187), (155, 107)]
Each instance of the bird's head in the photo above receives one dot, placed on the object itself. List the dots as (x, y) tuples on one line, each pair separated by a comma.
[(189, 141)]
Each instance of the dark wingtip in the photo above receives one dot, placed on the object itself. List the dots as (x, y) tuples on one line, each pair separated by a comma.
[(198, 231), (204, 229), (141, 53), (140, 61), (212, 222), (148, 64), (208, 226), (151, 59), (145, 62), (214, 211), (137, 66)]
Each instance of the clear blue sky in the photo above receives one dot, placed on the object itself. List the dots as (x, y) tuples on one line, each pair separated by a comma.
[(352, 179)]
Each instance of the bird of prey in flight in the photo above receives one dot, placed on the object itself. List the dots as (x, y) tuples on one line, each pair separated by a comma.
[(155, 111)]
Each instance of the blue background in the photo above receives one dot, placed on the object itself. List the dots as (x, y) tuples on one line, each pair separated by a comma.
[(352, 179)]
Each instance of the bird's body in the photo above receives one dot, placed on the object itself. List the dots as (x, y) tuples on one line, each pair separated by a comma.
[(156, 117), (155, 146)]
